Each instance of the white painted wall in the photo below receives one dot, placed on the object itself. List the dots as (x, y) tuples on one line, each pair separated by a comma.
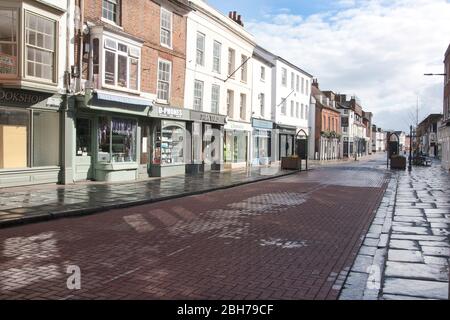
[(217, 27), (261, 86)]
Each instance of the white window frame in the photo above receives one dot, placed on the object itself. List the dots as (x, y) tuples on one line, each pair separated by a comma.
[(263, 73), (161, 28), (283, 107), (262, 103), (297, 109), (303, 86), (23, 42), (130, 47), (170, 81), (17, 43), (284, 77), (292, 81), (215, 86), (231, 62), (217, 58), (243, 106), (230, 103), (198, 50), (244, 68), (297, 85), (198, 107), (117, 13)]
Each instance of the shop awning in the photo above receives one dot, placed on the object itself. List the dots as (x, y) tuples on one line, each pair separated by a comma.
[(123, 99)]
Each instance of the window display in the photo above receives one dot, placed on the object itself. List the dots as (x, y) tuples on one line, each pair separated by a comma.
[(236, 146), (169, 143), (116, 140), (83, 147), (261, 146), (45, 141)]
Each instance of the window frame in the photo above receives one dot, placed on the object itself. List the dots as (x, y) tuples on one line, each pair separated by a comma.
[(17, 43), (198, 50), (54, 80), (161, 28), (262, 75), (118, 12), (118, 53), (244, 68), (230, 103), (262, 104), (213, 87), (198, 98), (283, 77), (169, 81), (243, 106), (231, 62), (218, 58)]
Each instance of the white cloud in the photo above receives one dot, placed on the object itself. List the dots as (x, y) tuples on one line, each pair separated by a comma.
[(376, 49)]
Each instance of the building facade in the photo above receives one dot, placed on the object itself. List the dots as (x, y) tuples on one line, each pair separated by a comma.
[(427, 135), (130, 121), (34, 81), (218, 86), (445, 127), (291, 90), (327, 124)]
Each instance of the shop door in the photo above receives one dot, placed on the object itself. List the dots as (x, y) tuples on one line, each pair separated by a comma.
[(283, 145), (145, 149), (83, 152)]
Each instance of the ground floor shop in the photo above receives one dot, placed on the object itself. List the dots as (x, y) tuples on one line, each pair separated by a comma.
[(328, 148), (262, 140), (236, 144), (30, 131), (285, 141)]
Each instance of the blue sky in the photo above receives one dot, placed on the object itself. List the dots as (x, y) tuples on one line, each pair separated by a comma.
[(377, 50)]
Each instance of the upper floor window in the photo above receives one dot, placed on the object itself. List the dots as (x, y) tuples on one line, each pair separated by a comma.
[(230, 103), (303, 86), (200, 58), (307, 87), (198, 95), (262, 101), (297, 85), (215, 98), (292, 108), (284, 77), (297, 110), (166, 28), (8, 42), (292, 80), (283, 107), (121, 64), (263, 73), (217, 55), (231, 61), (111, 10), (40, 35), (244, 68), (164, 72), (243, 106)]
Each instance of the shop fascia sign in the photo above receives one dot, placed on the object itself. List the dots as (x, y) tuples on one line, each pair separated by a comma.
[(207, 117), (263, 124), (20, 97), (170, 112)]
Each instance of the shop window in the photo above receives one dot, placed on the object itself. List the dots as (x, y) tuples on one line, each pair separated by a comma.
[(235, 149), (83, 147), (164, 70), (166, 28), (116, 140), (169, 144), (14, 132), (8, 42), (111, 10), (121, 65), (45, 139), (40, 35)]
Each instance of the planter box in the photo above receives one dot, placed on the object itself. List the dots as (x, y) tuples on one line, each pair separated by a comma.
[(398, 163), (290, 163)]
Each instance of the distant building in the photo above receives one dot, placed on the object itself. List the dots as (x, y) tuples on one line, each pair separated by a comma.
[(378, 139), (427, 136), (445, 127)]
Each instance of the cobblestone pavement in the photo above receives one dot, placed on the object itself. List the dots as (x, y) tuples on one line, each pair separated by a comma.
[(36, 203), (293, 237), (406, 252)]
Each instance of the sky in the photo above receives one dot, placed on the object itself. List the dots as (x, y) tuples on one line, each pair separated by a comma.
[(377, 50)]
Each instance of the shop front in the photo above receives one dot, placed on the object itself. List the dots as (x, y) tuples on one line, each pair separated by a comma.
[(108, 128), (286, 141), (30, 134), (206, 132), (167, 141), (236, 144), (261, 142)]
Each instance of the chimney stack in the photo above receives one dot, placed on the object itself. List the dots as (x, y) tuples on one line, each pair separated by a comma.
[(236, 18), (315, 83)]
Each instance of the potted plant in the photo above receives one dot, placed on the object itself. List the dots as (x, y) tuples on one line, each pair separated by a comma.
[(291, 163), (398, 162)]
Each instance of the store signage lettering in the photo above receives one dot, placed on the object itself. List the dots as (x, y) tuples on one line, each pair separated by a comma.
[(207, 117), (20, 97), (170, 112)]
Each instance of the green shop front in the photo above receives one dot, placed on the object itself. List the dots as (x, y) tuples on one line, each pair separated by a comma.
[(30, 144), (108, 129)]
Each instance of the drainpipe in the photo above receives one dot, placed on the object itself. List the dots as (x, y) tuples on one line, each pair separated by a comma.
[(80, 44)]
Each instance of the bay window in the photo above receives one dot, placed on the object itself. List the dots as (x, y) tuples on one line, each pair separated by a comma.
[(8, 42), (121, 65), (164, 72), (40, 35)]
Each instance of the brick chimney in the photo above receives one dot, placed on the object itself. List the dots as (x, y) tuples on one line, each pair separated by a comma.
[(315, 83), (236, 18)]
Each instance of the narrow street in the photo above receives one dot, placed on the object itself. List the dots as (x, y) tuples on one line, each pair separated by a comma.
[(293, 237)]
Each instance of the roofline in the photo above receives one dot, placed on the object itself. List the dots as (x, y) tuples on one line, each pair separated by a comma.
[(261, 58), (284, 61)]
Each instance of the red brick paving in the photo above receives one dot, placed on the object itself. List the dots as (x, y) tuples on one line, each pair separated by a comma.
[(278, 239)]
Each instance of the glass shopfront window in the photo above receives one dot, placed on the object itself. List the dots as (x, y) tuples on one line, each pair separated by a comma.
[(261, 146), (14, 133), (236, 143), (116, 140), (286, 145), (45, 139), (211, 144), (83, 147), (169, 143), (8, 42)]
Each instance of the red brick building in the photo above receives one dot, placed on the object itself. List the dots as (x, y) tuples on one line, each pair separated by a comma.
[(327, 124), (444, 131), (130, 59)]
